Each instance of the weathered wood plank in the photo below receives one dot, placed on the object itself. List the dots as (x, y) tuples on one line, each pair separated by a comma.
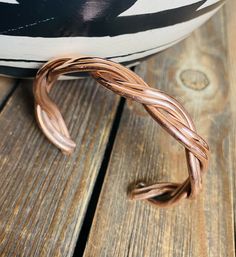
[(195, 72), (231, 39), (6, 86), (43, 194)]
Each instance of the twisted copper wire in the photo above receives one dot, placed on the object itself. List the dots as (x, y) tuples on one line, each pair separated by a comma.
[(162, 108)]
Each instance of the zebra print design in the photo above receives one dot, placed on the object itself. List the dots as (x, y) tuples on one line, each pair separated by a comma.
[(117, 29)]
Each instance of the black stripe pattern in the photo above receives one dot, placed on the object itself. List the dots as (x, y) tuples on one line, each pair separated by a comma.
[(88, 18)]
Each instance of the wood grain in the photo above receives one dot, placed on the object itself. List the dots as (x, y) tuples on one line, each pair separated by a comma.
[(142, 151), (43, 194), (231, 47), (6, 86)]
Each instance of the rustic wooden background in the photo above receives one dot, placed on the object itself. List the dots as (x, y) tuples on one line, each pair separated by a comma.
[(52, 205)]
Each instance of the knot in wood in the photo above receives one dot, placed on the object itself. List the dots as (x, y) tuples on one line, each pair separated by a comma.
[(194, 79)]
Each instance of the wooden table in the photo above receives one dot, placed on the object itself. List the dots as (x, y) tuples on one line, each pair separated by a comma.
[(52, 205)]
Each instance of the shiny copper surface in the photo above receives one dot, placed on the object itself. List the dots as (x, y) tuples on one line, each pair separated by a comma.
[(163, 108)]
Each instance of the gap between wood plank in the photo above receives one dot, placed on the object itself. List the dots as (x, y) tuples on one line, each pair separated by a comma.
[(6, 98), (84, 232), (44, 193)]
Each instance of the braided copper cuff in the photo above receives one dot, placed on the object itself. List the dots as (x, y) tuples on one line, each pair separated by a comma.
[(162, 108)]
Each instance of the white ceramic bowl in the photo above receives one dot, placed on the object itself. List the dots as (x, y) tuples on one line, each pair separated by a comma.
[(32, 32)]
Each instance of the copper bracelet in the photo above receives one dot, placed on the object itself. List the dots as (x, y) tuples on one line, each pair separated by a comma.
[(162, 108)]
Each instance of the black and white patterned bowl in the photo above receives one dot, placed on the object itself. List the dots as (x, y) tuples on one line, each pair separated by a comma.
[(34, 31)]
